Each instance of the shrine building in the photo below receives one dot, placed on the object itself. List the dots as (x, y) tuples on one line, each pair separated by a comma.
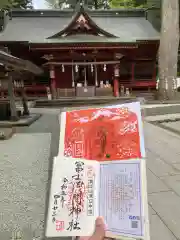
[(84, 53)]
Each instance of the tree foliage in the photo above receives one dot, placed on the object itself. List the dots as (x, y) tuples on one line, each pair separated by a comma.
[(122, 3), (71, 4), (96, 4), (3, 3), (168, 50), (127, 4), (24, 4)]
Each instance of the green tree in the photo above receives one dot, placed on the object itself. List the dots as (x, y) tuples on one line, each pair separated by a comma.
[(56, 4), (127, 4), (168, 50), (71, 4), (122, 3), (3, 3), (24, 4)]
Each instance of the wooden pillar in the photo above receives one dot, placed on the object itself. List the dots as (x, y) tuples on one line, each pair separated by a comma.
[(53, 82), (14, 115), (132, 71), (116, 81), (24, 100)]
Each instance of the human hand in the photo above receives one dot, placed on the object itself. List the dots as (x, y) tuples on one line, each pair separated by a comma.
[(99, 232)]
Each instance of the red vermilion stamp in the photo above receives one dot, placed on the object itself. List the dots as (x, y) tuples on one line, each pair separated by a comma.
[(59, 225)]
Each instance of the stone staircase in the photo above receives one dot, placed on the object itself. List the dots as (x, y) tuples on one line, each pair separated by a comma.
[(77, 102)]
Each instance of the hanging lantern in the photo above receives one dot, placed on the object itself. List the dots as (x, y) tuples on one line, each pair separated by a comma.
[(96, 77), (104, 68), (116, 71), (73, 83), (52, 74), (85, 77), (22, 83), (63, 69), (72, 72), (76, 68), (92, 68)]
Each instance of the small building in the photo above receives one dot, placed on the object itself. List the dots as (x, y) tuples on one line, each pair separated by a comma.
[(85, 52)]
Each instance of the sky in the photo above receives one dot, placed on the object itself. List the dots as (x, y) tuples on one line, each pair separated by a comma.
[(40, 4)]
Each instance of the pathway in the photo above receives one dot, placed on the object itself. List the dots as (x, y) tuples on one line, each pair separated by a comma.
[(163, 163)]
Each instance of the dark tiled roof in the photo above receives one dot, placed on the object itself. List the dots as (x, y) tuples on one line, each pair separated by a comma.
[(128, 27), (18, 63), (32, 29), (36, 26)]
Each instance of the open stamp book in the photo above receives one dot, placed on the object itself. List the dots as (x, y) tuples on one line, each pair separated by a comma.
[(82, 189)]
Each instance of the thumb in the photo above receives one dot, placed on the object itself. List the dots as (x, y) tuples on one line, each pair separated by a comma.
[(100, 229)]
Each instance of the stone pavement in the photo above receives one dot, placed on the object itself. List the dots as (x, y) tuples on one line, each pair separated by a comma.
[(25, 171), (161, 118), (163, 173)]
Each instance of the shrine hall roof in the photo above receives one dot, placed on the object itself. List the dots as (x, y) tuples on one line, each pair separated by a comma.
[(39, 26)]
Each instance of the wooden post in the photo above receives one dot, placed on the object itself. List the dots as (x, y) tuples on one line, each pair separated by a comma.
[(116, 81), (24, 101), (14, 115), (53, 82)]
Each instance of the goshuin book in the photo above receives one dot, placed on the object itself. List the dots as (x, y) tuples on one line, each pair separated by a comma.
[(82, 190)]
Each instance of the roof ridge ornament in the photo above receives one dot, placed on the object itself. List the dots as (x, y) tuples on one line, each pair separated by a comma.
[(82, 23)]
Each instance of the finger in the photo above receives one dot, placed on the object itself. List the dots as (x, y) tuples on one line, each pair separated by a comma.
[(83, 238), (100, 229)]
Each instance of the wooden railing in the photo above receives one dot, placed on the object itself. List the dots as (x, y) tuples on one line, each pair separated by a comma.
[(145, 83), (41, 90)]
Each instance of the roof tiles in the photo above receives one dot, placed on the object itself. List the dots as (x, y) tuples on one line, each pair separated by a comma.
[(26, 27)]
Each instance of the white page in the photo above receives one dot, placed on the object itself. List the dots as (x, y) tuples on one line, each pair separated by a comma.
[(121, 199), (73, 198)]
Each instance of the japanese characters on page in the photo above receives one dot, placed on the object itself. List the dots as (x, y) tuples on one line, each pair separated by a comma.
[(120, 198), (73, 199), (103, 134)]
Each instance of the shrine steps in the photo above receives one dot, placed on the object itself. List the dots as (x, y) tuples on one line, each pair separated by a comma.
[(77, 101)]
